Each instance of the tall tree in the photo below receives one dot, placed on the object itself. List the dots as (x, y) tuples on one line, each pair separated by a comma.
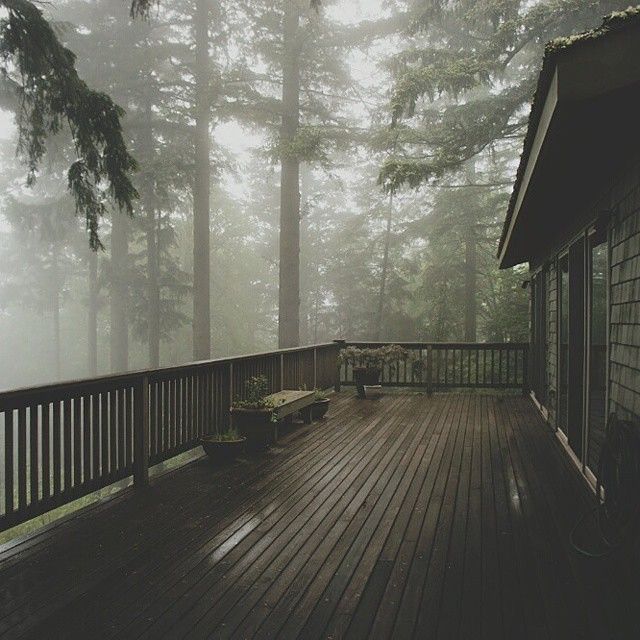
[(470, 266), (384, 270), (289, 288), (201, 184), (298, 87), (466, 74), (41, 259), (120, 294), (92, 315), (146, 284)]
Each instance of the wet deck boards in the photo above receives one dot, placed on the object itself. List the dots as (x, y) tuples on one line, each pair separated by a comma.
[(442, 516)]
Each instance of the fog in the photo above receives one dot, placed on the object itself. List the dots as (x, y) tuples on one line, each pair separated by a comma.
[(388, 250)]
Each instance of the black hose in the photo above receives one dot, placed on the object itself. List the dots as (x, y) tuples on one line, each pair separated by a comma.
[(617, 489)]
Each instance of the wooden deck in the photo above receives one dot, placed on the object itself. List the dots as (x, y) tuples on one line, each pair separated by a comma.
[(443, 516)]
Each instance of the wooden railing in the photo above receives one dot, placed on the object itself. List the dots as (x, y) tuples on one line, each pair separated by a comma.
[(63, 441), (451, 365)]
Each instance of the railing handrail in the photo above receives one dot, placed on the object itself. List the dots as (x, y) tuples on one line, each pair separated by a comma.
[(451, 345), (64, 440), (450, 365), (127, 376)]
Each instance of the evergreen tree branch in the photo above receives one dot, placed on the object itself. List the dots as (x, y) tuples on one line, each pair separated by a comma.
[(50, 93)]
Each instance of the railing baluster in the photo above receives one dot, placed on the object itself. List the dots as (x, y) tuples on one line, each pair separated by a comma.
[(22, 458), (8, 462), (113, 434), (33, 454), (57, 449), (125, 424), (65, 440), (68, 463), (141, 432), (46, 451), (86, 441), (77, 442)]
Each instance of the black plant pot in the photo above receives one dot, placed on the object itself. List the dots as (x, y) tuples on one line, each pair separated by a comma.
[(255, 425), (222, 451), (366, 376), (319, 408)]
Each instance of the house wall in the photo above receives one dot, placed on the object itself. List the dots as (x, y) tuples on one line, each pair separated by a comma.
[(624, 292), (621, 201), (552, 340)]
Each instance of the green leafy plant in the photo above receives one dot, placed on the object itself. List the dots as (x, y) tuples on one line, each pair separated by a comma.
[(388, 355), (256, 389), (229, 435), (319, 394)]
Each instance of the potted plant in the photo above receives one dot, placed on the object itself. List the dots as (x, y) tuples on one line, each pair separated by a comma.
[(223, 447), (253, 416), (320, 404), (367, 363)]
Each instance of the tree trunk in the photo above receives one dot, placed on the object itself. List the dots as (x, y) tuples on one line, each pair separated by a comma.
[(92, 320), (147, 194), (119, 293), (382, 292), (201, 187), (470, 265), (56, 317), (470, 284), (289, 280), (316, 309)]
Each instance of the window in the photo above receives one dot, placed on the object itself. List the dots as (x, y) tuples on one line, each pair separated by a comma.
[(563, 341), (539, 336), (597, 389)]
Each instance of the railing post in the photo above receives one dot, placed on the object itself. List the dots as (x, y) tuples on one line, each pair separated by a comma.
[(228, 409), (429, 381), (141, 433), (341, 344), (315, 367), (281, 371)]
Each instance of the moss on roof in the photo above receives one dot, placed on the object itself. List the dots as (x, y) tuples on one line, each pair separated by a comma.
[(613, 22), (616, 21)]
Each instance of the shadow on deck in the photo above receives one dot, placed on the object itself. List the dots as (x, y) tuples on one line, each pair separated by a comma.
[(443, 517)]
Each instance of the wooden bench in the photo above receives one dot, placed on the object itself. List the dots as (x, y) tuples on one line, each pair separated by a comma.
[(258, 426), (287, 402)]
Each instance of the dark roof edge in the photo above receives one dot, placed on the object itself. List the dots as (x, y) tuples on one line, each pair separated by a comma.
[(616, 21)]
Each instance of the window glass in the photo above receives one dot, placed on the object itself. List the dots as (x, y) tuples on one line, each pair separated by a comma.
[(597, 354), (563, 342)]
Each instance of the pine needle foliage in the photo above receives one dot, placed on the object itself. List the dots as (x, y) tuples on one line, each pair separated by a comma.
[(51, 94), (465, 75)]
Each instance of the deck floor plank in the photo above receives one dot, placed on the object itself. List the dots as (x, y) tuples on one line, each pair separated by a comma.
[(405, 516)]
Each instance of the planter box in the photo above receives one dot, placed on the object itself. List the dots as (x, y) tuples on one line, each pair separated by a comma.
[(255, 425)]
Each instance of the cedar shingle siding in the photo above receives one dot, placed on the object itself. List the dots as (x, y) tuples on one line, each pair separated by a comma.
[(552, 340), (623, 201), (624, 363)]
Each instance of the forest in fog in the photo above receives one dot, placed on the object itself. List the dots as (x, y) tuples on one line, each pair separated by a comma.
[(381, 136)]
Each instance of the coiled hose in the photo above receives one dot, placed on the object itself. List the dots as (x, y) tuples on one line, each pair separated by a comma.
[(617, 489)]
